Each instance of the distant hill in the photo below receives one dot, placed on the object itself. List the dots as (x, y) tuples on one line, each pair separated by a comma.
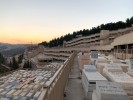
[(12, 49)]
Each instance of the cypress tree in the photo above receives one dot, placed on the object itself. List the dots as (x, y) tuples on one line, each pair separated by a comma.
[(2, 59), (14, 64)]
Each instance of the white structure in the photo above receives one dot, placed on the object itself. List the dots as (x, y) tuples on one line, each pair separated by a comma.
[(124, 80), (89, 78), (109, 91)]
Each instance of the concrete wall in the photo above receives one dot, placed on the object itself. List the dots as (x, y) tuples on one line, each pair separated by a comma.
[(104, 36), (55, 91)]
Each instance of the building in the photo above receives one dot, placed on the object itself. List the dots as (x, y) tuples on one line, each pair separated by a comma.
[(105, 37)]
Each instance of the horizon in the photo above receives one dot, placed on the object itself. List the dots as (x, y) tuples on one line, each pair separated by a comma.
[(26, 22), (19, 43)]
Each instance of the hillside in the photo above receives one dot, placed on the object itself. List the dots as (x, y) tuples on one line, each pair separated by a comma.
[(12, 49), (3, 69), (86, 32)]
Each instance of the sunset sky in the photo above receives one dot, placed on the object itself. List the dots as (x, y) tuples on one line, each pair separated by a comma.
[(26, 21)]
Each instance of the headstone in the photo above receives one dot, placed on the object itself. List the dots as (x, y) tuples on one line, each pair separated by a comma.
[(94, 54), (131, 64)]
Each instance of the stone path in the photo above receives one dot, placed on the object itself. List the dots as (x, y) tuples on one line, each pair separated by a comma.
[(74, 89)]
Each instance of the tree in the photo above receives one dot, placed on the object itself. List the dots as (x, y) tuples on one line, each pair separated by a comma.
[(20, 58), (27, 64), (14, 63), (2, 59), (10, 64)]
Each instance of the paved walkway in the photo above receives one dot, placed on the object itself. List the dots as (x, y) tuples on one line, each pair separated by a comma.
[(74, 89)]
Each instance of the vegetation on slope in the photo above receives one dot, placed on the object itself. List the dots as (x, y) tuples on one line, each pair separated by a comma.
[(2, 59), (14, 64), (3, 69), (86, 32), (27, 65)]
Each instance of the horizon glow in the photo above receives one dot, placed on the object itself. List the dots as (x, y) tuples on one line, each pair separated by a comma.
[(34, 21)]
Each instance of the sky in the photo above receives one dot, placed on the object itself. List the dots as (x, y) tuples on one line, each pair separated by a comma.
[(34, 21)]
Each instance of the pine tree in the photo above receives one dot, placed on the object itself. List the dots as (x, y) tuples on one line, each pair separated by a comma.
[(20, 58), (14, 64), (2, 59), (10, 64), (27, 65)]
